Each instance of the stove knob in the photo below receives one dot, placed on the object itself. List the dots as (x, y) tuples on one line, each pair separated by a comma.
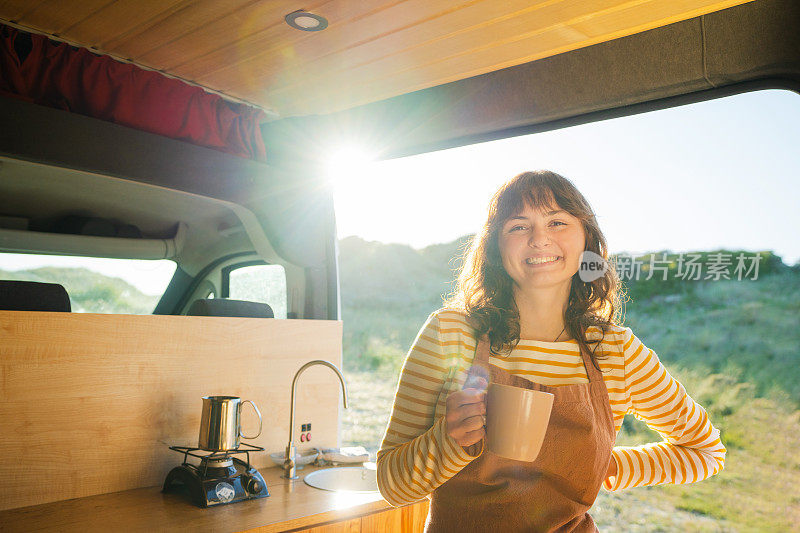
[(252, 485)]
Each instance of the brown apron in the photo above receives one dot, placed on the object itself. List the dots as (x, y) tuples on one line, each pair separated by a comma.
[(552, 493)]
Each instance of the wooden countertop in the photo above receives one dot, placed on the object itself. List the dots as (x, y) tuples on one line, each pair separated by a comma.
[(291, 505)]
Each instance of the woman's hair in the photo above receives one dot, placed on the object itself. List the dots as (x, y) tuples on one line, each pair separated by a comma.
[(484, 288)]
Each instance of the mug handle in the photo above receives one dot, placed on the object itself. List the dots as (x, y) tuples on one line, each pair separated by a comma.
[(260, 421)]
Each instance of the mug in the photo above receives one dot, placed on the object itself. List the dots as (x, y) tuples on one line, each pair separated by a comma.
[(516, 421), (220, 424)]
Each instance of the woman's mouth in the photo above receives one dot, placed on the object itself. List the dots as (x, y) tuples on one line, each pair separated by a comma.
[(536, 261)]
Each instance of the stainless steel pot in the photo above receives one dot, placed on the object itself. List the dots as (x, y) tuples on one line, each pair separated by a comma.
[(220, 423)]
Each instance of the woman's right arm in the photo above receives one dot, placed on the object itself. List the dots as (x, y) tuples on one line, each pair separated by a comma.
[(417, 454)]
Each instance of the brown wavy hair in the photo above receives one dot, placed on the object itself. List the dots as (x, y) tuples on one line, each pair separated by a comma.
[(484, 289)]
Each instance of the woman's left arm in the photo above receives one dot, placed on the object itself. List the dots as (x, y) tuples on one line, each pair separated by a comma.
[(691, 450)]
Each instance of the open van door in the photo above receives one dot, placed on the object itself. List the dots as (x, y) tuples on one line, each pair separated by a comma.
[(195, 133)]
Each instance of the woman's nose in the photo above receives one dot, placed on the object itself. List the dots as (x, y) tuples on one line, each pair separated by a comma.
[(538, 237)]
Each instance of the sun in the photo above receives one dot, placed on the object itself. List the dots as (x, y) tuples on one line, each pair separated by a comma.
[(360, 190), (347, 163)]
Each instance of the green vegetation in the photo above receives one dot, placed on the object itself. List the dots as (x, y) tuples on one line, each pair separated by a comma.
[(90, 292), (387, 292)]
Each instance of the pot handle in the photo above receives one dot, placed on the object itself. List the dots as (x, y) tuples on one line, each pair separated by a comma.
[(260, 420)]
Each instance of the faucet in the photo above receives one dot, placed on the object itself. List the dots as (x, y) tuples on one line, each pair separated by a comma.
[(288, 461)]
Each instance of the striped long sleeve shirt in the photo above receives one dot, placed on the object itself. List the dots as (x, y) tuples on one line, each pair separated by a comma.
[(417, 455)]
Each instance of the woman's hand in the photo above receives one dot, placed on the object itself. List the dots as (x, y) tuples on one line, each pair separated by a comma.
[(464, 420)]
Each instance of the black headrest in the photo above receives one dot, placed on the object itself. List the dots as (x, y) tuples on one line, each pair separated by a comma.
[(33, 296), (225, 307)]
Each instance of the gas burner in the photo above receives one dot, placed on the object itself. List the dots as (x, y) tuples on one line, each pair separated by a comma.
[(218, 462), (219, 478)]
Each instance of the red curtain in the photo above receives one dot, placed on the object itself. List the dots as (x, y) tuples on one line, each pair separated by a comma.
[(36, 69)]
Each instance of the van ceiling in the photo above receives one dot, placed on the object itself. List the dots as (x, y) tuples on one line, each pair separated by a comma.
[(370, 51)]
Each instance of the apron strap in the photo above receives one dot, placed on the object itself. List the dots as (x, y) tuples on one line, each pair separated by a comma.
[(592, 373), (482, 351), (480, 363)]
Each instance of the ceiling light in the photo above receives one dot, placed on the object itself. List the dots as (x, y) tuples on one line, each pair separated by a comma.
[(305, 21)]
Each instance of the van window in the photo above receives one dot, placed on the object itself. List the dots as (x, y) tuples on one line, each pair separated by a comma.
[(258, 283), (714, 179), (96, 285)]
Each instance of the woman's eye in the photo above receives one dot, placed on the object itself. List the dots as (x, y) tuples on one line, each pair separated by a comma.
[(516, 228), (558, 222)]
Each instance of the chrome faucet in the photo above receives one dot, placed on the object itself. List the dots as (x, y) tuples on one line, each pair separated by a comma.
[(288, 460)]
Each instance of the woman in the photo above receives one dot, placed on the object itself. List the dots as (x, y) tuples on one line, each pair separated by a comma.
[(523, 315)]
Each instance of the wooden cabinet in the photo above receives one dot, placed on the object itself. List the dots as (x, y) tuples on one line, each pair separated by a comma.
[(408, 519), (347, 526)]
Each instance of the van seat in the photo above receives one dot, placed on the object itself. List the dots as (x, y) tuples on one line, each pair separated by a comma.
[(33, 296), (226, 307)]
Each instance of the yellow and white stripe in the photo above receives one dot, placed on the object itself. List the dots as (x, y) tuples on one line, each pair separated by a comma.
[(692, 449), (416, 455)]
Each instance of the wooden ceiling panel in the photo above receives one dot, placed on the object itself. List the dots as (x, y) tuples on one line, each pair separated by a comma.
[(247, 20), (58, 17), (189, 17), (531, 35), (14, 10), (401, 51), (360, 41), (639, 18), (371, 50), (273, 46), (119, 20)]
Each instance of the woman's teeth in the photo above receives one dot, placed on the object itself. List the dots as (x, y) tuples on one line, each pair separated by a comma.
[(532, 261)]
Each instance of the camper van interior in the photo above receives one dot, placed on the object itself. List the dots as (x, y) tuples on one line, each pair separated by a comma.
[(192, 135)]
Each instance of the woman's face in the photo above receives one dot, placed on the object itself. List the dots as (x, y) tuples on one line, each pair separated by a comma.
[(541, 248)]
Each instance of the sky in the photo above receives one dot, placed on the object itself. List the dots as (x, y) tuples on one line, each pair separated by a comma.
[(718, 174), (721, 173)]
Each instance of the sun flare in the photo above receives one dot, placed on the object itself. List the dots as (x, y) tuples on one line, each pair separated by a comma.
[(347, 163)]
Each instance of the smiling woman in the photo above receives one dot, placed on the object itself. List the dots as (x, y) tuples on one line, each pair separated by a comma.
[(509, 303)]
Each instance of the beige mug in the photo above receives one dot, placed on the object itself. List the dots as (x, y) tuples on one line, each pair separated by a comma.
[(516, 421)]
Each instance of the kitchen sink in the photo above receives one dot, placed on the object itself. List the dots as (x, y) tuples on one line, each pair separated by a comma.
[(344, 478)]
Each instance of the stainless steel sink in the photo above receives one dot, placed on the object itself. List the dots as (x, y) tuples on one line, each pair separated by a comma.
[(344, 478)]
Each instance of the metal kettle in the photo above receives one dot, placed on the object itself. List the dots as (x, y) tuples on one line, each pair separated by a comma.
[(220, 423)]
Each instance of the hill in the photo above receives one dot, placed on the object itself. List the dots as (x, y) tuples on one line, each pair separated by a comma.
[(90, 292), (387, 292)]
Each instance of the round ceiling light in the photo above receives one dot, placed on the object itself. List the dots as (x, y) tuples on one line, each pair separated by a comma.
[(305, 21)]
